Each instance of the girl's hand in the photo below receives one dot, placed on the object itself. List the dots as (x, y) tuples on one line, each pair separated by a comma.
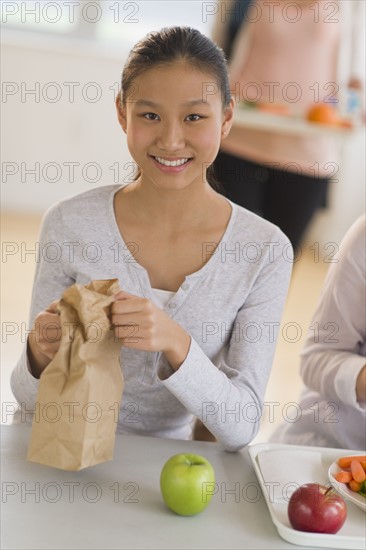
[(44, 339), (140, 324)]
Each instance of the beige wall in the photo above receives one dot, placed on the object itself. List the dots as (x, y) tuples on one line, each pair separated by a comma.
[(56, 134)]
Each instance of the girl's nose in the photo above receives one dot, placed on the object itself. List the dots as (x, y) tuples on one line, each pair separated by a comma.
[(171, 137)]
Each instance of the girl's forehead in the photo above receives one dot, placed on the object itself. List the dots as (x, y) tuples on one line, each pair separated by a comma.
[(180, 79), (179, 69)]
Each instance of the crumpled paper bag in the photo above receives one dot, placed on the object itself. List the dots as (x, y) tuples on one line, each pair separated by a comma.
[(80, 391)]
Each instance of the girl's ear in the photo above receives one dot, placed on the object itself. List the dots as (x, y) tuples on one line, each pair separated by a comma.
[(121, 113), (228, 118)]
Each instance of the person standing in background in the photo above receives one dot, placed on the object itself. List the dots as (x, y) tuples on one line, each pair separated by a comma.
[(297, 56)]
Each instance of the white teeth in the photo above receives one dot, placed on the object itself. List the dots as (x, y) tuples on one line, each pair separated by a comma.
[(171, 162)]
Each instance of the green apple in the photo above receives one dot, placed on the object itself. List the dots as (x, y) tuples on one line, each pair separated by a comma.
[(187, 483)]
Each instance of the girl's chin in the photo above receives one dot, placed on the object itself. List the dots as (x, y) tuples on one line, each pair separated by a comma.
[(169, 184)]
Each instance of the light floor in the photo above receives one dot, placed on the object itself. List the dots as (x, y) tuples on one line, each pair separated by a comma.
[(19, 233)]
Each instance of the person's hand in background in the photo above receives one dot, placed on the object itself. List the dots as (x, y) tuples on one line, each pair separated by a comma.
[(361, 386)]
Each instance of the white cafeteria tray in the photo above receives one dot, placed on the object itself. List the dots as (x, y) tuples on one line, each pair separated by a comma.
[(294, 466)]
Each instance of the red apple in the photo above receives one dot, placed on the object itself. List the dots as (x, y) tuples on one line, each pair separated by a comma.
[(316, 508)]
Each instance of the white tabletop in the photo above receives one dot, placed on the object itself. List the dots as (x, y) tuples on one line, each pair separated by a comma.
[(118, 504)]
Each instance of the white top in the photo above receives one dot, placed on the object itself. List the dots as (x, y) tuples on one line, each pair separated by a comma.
[(334, 354), (161, 297), (231, 308)]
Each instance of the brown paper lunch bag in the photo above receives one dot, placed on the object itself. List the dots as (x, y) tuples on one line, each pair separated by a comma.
[(80, 391)]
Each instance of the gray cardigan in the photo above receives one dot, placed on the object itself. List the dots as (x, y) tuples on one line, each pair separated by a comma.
[(231, 308)]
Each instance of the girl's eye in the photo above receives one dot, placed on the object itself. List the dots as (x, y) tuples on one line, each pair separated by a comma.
[(150, 116), (193, 118)]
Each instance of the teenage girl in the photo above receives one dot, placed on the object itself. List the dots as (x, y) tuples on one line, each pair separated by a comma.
[(203, 281)]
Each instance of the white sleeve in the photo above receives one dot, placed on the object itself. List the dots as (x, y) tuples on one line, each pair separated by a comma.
[(49, 283), (227, 395), (334, 351)]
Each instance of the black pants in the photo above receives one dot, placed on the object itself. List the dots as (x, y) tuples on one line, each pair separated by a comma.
[(287, 199)]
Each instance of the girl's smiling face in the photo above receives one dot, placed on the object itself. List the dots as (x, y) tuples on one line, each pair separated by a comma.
[(174, 120)]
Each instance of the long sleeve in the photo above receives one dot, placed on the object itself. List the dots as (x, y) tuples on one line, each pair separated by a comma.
[(334, 352), (49, 282), (228, 394)]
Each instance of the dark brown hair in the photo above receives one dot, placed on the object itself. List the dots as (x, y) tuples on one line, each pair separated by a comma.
[(171, 44)]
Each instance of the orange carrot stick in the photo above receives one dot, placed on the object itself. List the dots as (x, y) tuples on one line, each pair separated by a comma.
[(343, 476), (357, 471), (345, 461), (354, 486)]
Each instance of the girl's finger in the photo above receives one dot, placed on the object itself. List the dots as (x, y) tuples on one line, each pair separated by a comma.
[(122, 295), (52, 308), (128, 333), (133, 305), (128, 319)]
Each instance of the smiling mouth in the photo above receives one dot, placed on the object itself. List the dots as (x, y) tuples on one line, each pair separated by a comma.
[(177, 162)]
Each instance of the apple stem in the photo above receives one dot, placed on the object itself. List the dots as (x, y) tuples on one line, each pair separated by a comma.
[(328, 490)]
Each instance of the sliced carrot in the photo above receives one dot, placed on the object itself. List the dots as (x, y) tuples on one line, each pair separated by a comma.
[(345, 461), (354, 486), (343, 476), (357, 471)]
